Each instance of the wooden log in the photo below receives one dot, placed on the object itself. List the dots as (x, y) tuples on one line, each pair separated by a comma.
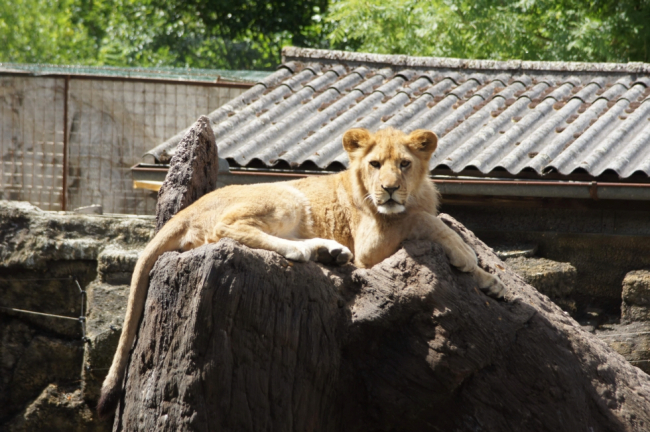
[(192, 172), (236, 339)]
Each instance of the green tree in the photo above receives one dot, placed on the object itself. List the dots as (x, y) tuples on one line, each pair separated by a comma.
[(228, 34), (244, 32), (249, 34), (43, 31), (209, 33), (562, 30)]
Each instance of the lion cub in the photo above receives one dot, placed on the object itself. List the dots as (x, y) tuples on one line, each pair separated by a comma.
[(363, 213)]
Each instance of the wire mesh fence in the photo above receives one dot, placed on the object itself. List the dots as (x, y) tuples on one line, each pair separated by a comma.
[(31, 140), (111, 122)]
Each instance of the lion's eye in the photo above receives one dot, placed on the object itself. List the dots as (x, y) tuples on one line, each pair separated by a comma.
[(405, 164), (375, 164)]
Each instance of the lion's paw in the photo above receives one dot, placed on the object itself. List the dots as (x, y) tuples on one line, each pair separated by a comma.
[(329, 251), (489, 283)]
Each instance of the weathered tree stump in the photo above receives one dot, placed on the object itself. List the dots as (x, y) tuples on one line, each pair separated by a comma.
[(236, 339), (192, 172)]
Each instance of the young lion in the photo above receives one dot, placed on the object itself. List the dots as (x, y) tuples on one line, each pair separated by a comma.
[(384, 198)]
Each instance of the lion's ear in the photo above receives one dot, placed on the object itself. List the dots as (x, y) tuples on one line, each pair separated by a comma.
[(422, 140), (354, 139)]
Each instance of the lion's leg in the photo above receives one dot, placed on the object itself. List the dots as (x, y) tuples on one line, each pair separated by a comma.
[(251, 233), (460, 254)]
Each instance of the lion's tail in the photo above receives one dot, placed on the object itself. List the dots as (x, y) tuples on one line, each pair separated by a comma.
[(167, 239)]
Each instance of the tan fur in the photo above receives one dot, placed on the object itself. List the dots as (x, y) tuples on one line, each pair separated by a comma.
[(384, 198)]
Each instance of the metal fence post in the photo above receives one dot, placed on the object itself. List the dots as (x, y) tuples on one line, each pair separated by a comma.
[(66, 89)]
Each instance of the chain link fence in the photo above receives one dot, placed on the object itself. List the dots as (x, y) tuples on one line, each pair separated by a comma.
[(110, 121)]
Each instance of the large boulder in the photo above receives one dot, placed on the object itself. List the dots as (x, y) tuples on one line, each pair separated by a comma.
[(631, 337)]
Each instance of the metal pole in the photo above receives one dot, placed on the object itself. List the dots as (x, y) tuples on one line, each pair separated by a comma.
[(64, 181)]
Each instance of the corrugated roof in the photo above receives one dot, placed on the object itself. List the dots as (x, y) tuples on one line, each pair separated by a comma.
[(490, 116), (166, 73)]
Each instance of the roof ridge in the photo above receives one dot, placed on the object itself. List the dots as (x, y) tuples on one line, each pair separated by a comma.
[(311, 54), (136, 72)]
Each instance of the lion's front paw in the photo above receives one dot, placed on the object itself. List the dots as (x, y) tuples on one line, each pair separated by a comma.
[(462, 256), (330, 251), (489, 283), (340, 255), (299, 252)]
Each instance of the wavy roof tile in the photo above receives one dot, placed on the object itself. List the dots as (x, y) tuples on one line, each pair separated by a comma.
[(490, 116)]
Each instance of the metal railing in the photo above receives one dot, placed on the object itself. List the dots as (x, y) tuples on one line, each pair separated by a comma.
[(82, 293)]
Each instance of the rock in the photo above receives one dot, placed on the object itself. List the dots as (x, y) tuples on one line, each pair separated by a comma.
[(636, 296), (30, 362), (62, 236), (107, 300), (115, 265), (16, 337), (42, 257), (554, 279), (58, 408), (107, 307), (192, 172), (244, 340), (632, 341)]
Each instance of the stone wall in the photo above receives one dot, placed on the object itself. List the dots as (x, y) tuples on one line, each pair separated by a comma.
[(48, 370), (631, 337), (603, 243)]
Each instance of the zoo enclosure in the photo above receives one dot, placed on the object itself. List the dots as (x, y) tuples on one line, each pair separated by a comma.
[(69, 135)]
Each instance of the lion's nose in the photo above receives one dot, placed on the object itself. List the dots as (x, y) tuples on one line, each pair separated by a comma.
[(390, 190)]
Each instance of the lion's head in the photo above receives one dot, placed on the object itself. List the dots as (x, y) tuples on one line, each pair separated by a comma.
[(389, 165)]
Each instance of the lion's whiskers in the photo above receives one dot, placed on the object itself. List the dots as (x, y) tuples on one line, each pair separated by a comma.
[(369, 197)]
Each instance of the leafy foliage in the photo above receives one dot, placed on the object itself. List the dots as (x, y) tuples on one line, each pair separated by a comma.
[(41, 31), (562, 30), (225, 34), (245, 34), (249, 34)]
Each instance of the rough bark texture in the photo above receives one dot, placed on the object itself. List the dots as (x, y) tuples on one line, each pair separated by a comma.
[(235, 339), (192, 172)]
